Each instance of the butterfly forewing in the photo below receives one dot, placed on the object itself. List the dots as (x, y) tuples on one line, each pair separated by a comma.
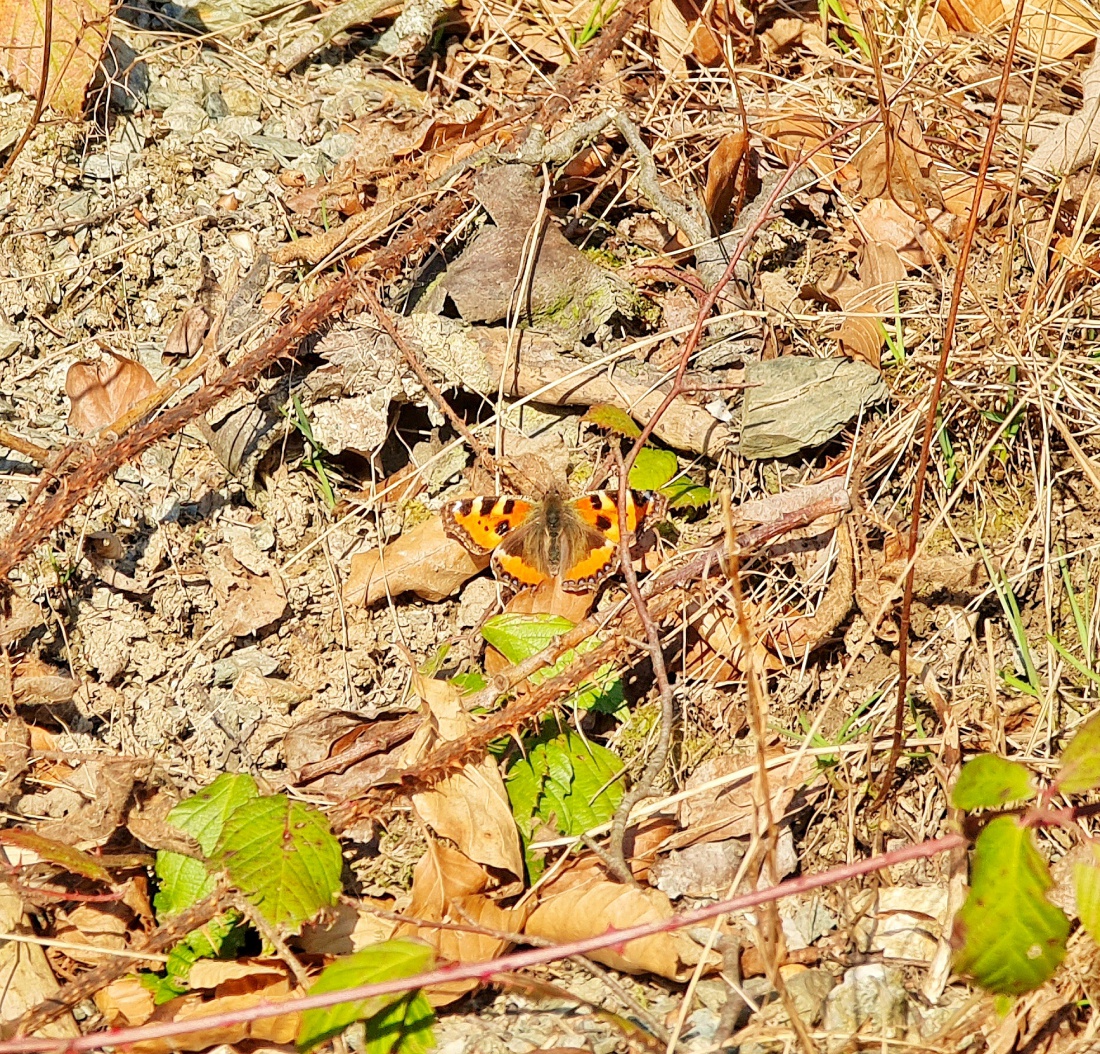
[(481, 524)]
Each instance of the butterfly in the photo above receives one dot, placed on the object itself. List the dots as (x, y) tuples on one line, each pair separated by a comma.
[(575, 540)]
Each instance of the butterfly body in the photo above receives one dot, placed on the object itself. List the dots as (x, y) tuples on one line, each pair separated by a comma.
[(573, 540)]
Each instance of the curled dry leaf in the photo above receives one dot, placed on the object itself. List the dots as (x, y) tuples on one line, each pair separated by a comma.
[(866, 300), (246, 602), (471, 808), (102, 391), (450, 887), (794, 135), (185, 340), (728, 158), (78, 36), (732, 809), (101, 928), (118, 1001), (583, 903), (424, 560), (885, 222), (912, 175)]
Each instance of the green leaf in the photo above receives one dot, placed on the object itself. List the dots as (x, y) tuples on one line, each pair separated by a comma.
[(1086, 878), (684, 493), (988, 781), (221, 938), (613, 419), (652, 468), (470, 681), (518, 637), (283, 857), (566, 782), (378, 962), (404, 1028), (184, 880), (1011, 937), (1081, 760)]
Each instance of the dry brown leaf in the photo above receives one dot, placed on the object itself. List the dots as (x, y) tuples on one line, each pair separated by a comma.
[(866, 300), (1055, 29), (958, 195), (98, 926), (246, 602), (912, 175), (185, 340), (673, 33), (449, 887), (102, 391), (717, 627), (795, 135), (125, 1003), (782, 33), (583, 903), (22, 616), (79, 34), (471, 808), (722, 170), (732, 810), (887, 223), (973, 16), (119, 1000), (424, 560), (36, 681), (213, 973)]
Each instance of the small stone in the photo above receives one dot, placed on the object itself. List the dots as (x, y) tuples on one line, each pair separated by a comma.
[(908, 921), (871, 999), (185, 117), (809, 990)]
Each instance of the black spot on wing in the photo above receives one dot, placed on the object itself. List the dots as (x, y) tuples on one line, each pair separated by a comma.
[(603, 523), (465, 508), (502, 528), (508, 507)]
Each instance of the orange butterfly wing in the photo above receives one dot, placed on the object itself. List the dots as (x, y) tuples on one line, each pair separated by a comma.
[(481, 524), (600, 511)]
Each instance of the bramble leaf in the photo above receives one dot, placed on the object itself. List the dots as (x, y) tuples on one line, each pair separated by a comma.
[(1010, 937), (1080, 770), (518, 637), (1086, 880), (652, 468), (377, 962), (283, 857), (221, 938), (988, 780), (403, 1028), (613, 419), (183, 880), (686, 494)]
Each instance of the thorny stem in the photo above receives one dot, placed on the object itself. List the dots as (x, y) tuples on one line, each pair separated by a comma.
[(644, 787), (934, 402), (485, 971)]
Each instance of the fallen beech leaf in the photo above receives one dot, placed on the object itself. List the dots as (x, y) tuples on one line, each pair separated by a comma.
[(246, 602), (673, 32), (722, 169), (717, 627), (973, 16), (912, 176), (22, 616), (1054, 29), (78, 37), (471, 808), (103, 928), (125, 1003), (865, 301), (424, 560), (185, 340), (102, 391), (887, 223), (213, 973), (795, 135), (582, 903), (449, 887)]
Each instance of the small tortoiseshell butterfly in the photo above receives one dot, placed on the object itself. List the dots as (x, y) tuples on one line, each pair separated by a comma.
[(574, 540)]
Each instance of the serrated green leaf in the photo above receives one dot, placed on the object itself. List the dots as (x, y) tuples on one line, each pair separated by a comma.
[(1012, 938), (221, 938), (404, 1028), (652, 468), (283, 857), (579, 791), (472, 681), (685, 494), (613, 419), (518, 637), (378, 962), (988, 781), (185, 881), (1086, 880), (1080, 770)]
